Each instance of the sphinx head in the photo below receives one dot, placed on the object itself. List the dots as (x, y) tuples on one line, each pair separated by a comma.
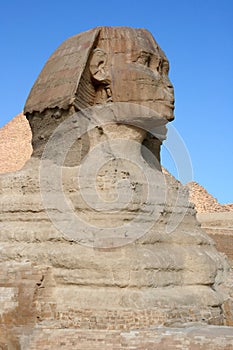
[(105, 65)]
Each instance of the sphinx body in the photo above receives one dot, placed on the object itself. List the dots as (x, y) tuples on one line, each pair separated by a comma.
[(86, 220)]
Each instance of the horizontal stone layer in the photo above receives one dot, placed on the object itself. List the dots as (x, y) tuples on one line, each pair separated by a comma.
[(190, 338)]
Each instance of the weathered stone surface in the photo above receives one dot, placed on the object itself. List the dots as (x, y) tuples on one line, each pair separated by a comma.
[(159, 271), (194, 338), (99, 238)]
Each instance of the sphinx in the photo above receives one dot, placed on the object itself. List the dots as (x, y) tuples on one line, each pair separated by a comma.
[(84, 223)]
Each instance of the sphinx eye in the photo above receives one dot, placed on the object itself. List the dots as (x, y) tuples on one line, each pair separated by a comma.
[(165, 67), (159, 66), (144, 59)]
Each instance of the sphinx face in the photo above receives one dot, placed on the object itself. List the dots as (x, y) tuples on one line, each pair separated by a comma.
[(139, 70)]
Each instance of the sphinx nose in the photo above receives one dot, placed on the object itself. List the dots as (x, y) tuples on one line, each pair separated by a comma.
[(170, 90), (169, 85)]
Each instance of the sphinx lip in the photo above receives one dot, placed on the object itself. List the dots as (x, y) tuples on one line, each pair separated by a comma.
[(168, 104)]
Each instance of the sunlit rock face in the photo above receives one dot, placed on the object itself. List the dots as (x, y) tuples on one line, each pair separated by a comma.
[(93, 234)]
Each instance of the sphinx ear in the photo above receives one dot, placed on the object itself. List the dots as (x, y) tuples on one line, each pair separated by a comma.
[(98, 66)]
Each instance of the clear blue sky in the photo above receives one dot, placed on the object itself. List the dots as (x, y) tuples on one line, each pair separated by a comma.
[(197, 37)]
